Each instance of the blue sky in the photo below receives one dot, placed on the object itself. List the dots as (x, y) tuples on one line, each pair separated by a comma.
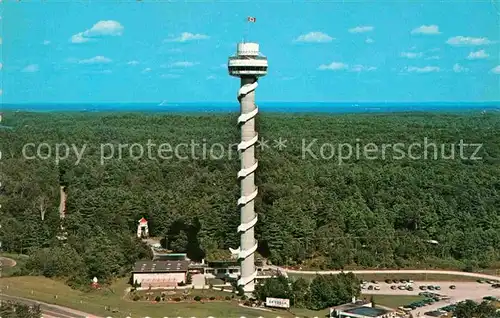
[(149, 51)]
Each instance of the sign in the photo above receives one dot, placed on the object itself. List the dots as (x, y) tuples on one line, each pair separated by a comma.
[(277, 302)]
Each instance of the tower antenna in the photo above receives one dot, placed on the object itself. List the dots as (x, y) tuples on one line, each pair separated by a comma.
[(248, 65)]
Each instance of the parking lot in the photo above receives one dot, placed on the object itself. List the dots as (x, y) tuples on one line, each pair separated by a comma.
[(463, 290)]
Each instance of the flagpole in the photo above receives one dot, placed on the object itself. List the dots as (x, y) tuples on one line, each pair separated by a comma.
[(245, 36)]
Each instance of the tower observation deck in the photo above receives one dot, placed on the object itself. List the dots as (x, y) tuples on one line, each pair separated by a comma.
[(248, 65)]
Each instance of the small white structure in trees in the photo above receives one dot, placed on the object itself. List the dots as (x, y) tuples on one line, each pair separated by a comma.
[(142, 228)]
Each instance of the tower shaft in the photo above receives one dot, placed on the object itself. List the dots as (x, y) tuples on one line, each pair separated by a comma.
[(247, 211), (248, 65)]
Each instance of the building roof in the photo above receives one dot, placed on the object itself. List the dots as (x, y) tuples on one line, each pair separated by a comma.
[(348, 306), (143, 220), (160, 266)]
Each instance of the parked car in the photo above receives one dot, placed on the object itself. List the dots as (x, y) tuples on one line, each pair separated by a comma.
[(423, 287), (377, 287), (388, 281), (453, 287), (480, 281), (409, 288), (394, 287), (437, 287), (374, 282), (370, 287), (395, 281), (430, 287), (495, 285), (402, 287)]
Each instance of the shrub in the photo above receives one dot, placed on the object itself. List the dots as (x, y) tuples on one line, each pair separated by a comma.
[(136, 297), (240, 291), (181, 284), (176, 299), (227, 298), (158, 298), (247, 303), (243, 297), (197, 298), (212, 298)]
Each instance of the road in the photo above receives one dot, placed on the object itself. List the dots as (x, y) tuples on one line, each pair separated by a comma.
[(392, 271), (48, 310)]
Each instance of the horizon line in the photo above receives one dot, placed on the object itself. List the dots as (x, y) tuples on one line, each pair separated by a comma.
[(262, 102)]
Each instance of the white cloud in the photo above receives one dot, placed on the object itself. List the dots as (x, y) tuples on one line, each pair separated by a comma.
[(101, 28), (211, 77), (32, 68), (95, 60), (187, 36), (361, 29), (334, 66), (78, 38), (369, 40), (411, 55), (478, 55), (133, 62), (467, 40), (457, 68), (184, 64), (426, 29), (46, 42), (496, 70), (362, 68), (170, 76), (146, 70), (314, 37), (425, 69)]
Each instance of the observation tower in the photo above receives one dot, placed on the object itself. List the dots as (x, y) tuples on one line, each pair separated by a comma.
[(248, 65)]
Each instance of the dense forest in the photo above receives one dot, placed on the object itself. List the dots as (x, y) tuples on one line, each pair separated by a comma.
[(384, 212)]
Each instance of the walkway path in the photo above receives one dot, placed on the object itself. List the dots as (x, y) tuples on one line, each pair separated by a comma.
[(7, 262)]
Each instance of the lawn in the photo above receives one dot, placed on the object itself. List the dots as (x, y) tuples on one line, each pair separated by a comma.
[(415, 277), (44, 289), (394, 301)]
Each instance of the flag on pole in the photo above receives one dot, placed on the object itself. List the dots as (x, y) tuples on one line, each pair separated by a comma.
[(251, 19)]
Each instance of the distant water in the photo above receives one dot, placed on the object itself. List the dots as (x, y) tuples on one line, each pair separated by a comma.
[(300, 107)]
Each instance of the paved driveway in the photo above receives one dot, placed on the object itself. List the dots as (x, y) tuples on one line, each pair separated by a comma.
[(463, 291)]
